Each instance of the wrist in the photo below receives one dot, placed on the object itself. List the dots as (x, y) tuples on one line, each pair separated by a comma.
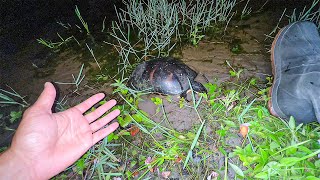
[(14, 166)]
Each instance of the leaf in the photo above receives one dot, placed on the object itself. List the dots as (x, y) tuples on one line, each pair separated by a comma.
[(305, 149), (261, 175), (156, 100), (292, 123), (260, 114), (224, 152), (134, 130), (191, 135), (181, 102), (274, 145), (178, 159), (124, 121), (291, 151), (232, 73), (253, 81), (317, 164), (289, 161), (230, 123), (110, 137), (137, 117), (194, 142), (213, 175), (148, 160), (312, 178), (237, 169), (15, 115), (166, 174), (222, 132), (264, 155), (244, 129)]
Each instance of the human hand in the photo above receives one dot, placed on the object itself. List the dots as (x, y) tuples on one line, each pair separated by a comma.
[(46, 143)]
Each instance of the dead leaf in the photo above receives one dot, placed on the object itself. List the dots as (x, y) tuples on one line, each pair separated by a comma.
[(213, 175), (232, 105), (178, 159), (134, 130), (135, 174), (148, 160), (244, 129), (166, 174)]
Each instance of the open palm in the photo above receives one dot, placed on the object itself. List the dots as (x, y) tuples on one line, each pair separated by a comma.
[(50, 142)]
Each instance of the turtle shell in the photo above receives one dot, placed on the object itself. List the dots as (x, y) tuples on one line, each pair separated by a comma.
[(163, 75)]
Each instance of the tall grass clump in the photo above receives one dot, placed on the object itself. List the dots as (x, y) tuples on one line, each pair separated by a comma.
[(308, 13), (156, 22), (152, 28)]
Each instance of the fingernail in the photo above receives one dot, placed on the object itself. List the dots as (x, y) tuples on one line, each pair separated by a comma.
[(113, 101), (46, 84)]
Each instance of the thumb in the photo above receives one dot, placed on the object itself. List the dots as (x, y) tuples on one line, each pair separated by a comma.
[(47, 97)]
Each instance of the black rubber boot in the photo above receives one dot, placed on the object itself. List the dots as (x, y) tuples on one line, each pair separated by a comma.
[(295, 57)]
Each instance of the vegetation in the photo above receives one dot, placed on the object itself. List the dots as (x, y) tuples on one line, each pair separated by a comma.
[(233, 135), (308, 13), (158, 26)]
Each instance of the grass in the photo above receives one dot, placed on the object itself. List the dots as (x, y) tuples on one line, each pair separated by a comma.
[(153, 28), (308, 13), (12, 98), (84, 24), (76, 80), (271, 148)]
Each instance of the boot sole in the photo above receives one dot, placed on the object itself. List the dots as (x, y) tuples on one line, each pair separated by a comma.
[(270, 107)]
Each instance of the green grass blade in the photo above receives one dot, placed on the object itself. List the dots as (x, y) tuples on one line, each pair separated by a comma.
[(195, 140)]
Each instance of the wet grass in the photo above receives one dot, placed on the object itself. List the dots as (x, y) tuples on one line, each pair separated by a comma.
[(234, 137)]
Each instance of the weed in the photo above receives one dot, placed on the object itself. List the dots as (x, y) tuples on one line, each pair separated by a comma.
[(195, 37), (233, 72), (48, 44), (85, 25), (15, 115), (91, 51), (246, 11), (157, 25), (76, 80), (7, 98), (307, 14)]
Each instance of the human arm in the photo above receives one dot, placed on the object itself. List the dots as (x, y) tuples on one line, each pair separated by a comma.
[(46, 143)]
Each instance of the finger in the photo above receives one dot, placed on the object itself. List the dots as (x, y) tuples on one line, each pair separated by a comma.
[(87, 104), (102, 133), (105, 120), (100, 110), (47, 97)]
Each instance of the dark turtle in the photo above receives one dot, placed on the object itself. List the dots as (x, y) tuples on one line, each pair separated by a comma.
[(166, 76)]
